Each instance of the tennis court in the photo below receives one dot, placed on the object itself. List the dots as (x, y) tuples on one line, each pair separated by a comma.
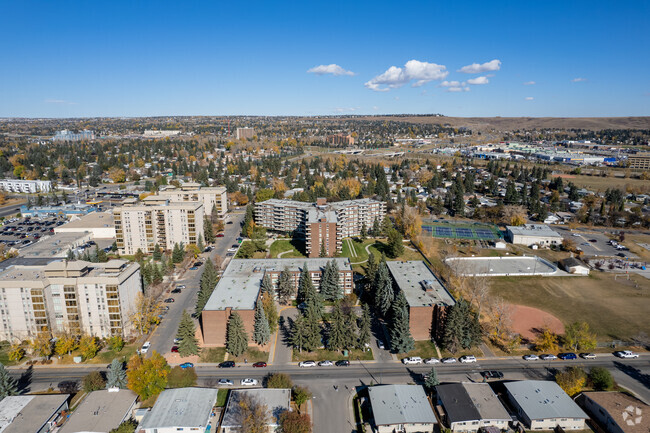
[(476, 231)]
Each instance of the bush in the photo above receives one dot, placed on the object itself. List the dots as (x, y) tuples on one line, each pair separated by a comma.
[(601, 379), (116, 343), (181, 378), (279, 381), (571, 380), (93, 381)]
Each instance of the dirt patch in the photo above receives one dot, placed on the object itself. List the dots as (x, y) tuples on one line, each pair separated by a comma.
[(528, 321)]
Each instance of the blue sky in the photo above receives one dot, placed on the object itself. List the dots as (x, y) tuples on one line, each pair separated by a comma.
[(145, 58)]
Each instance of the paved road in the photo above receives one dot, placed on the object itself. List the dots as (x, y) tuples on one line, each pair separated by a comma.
[(163, 336), (10, 210)]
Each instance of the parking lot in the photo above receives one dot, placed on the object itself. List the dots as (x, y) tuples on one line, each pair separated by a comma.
[(21, 232), (594, 244)]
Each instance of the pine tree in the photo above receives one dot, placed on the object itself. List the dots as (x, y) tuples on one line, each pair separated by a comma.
[(330, 288), (208, 231), (102, 257), (364, 232), (267, 285), (313, 339), (305, 284), (156, 275), (386, 226), (116, 376), (395, 244), (431, 380), (285, 286), (340, 334), (364, 324), (208, 281), (401, 340), (157, 253), (376, 229), (236, 338), (189, 345), (298, 336), (7, 383), (384, 293), (371, 268), (200, 244), (323, 251), (462, 328), (261, 331), (177, 254)]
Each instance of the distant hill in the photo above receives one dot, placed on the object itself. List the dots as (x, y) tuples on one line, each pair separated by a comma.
[(511, 123)]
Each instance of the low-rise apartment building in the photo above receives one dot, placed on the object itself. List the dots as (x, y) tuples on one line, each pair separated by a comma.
[(28, 186), (401, 408), (640, 161), (471, 407), (81, 297), (320, 224), (166, 224), (617, 412)]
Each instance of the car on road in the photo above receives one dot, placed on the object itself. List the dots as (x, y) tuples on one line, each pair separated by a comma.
[(180, 286), (197, 264), (169, 300), (229, 222), (587, 356), (174, 349), (186, 365), (380, 344), (431, 361), (194, 268), (325, 364), (547, 357), (575, 234), (412, 360), (531, 358), (232, 250), (220, 235), (492, 374), (259, 364), (467, 359), (227, 364), (230, 254), (176, 290), (225, 382), (567, 355), (448, 360), (343, 363), (626, 354), (235, 246), (593, 241), (307, 364), (145, 347), (248, 382)]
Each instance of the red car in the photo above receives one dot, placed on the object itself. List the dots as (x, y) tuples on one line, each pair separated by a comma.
[(174, 349), (220, 235), (259, 364)]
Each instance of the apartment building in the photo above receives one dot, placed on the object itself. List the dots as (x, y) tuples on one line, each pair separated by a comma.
[(67, 135), (639, 161), (320, 224), (193, 192), (340, 139), (90, 298), (150, 223), (239, 290), (27, 186), (244, 133)]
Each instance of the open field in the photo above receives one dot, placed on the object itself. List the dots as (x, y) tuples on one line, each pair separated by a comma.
[(499, 266), (614, 309), (218, 354), (287, 247), (599, 183)]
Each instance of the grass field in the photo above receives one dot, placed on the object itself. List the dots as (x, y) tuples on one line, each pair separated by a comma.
[(614, 309), (598, 183), (218, 354), (377, 247), (282, 246)]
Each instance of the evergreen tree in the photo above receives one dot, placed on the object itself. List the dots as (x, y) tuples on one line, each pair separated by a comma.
[(285, 286), (156, 274), (511, 193), (7, 383), (261, 332), (200, 244), (267, 285), (364, 324), (386, 226), (376, 229), (364, 232), (249, 222), (330, 288), (395, 244), (208, 231), (384, 293), (371, 268), (313, 339), (298, 336), (177, 254), (323, 250), (236, 338), (189, 345), (305, 284), (209, 279), (462, 328), (431, 380), (157, 253), (401, 340), (339, 335), (102, 257), (116, 376), (145, 272)]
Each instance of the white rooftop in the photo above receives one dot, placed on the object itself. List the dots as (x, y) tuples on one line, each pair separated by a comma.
[(181, 408), (543, 399), (534, 230), (419, 284), (400, 404)]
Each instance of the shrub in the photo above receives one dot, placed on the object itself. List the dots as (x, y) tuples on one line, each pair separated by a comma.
[(601, 379), (93, 381), (279, 380)]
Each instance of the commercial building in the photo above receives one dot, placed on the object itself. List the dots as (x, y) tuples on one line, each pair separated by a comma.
[(533, 234), (90, 298), (32, 413), (543, 405), (67, 135), (617, 412), (428, 299), (153, 133), (27, 186), (401, 408), (99, 225), (244, 133), (340, 139), (144, 226), (277, 401), (239, 290), (469, 407), (101, 411), (640, 161), (320, 224), (180, 409), (67, 210), (193, 192), (56, 246)]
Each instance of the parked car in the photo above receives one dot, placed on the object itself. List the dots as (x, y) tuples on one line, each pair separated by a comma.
[(219, 235), (626, 354), (145, 347), (467, 359), (227, 364), (180, 286), (448, 360), (492, 374), (343, 363), (186, 365), (307, 364), (325, 364), (176, 290), (225, 382), (249, 382), (194, 268), (566, 356), (587, 356), (259, 364), (176, 340), (531, 358), (431, 361), (547, 357), (169, 300), (174, 349), (380, 344), (412, 360)]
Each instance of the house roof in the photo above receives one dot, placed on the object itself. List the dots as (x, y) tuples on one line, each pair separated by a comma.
[(471, 401), (100, 411), (541, 399), (631, 415), (400, 404), (570, 262), (29, 416), (181, 407), (275, 400)]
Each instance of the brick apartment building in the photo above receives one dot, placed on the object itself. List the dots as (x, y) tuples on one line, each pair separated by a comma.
[(340, 139), (239, 290), (639, 161), (321, 223), (428, 299)]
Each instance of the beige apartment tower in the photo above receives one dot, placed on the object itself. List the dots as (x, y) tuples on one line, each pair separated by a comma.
[(211, 197)]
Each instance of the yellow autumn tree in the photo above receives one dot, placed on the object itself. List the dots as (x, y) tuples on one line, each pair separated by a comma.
[(547, 341), (571, 380), (147, 377), (146, 313)]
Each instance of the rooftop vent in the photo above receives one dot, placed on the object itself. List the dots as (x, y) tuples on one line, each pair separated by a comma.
[(428, 285)]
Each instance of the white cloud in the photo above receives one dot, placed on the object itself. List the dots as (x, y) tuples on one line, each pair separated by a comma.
[(529, 98), (529, 83), (452, 84), (478, 80), (476, 68), (413, 70), (345, 109), (333, 69), (458, 89), (579, 80)]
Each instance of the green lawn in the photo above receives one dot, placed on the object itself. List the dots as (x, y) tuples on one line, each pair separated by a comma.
[(218, 354), (213, 355), (222, 397), (332, 355), (426, 349), (283, 245), (107, 356), (377, 247)]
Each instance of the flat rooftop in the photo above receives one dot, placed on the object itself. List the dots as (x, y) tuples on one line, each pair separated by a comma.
[(630, 414), (240, 283), (534, 230), (400, 404), (90, 221), (56, 245), (100, 411), (471, 401), (419, 284), (181, 408), (275, 400), (33, 415), (542, 399)]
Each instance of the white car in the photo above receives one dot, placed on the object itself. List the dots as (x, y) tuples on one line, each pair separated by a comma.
[(225, 382), (325, 364), (412, 360), (431, 361), (232, 250), (307, 364), (467, 359), (626, 354), (531, 358), (548, 357), (448, 360), (248, 382), (145, 347), (587, 356)]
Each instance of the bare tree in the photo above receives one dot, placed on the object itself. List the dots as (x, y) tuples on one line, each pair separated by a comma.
[(501, 312), (251, 414), (478, 291)]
